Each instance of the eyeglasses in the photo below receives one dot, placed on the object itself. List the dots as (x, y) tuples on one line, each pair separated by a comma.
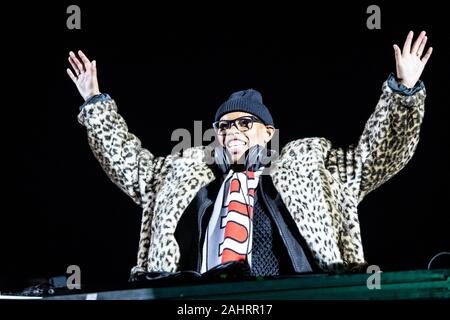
[(242, 124)]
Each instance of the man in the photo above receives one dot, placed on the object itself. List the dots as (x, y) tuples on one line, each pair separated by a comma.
[(299, 217)]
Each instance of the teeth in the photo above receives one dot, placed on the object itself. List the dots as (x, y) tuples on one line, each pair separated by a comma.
[(236, 143)]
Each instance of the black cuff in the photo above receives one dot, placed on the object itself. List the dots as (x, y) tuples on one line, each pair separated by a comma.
[(94, 99), (397, 87)]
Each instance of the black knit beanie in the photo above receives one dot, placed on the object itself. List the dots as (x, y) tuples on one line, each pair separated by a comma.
[(250, 101)]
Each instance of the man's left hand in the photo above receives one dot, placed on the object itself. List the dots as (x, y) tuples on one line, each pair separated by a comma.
[(409, 62)]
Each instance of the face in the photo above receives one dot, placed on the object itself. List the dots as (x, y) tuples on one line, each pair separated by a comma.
[(237, 142)]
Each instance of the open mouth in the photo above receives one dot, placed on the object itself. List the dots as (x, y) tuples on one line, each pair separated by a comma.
[(236, 143), (236, 146)]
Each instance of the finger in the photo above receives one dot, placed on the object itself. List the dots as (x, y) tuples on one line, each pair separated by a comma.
[(71, 75), (422, 46), (397, 52), (74, 66), (94, 67), (417, 42), (77, 62), (407, 44), (398, 56), (427, 55), (85, 60)]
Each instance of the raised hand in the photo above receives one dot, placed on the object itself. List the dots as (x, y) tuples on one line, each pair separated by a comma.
[(409, 62), (84, 74)]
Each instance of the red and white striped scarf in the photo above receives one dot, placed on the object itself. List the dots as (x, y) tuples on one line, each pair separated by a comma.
[(229, 232)]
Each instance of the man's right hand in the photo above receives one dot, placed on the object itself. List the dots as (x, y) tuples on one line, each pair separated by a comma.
[(84, 75)]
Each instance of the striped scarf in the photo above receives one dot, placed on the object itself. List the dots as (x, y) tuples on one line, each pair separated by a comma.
[(229, 232)]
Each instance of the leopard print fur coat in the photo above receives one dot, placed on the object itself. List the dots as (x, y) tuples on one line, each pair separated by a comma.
[(321, 186)]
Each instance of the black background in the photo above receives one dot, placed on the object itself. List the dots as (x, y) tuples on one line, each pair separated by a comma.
[(318, 66)]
